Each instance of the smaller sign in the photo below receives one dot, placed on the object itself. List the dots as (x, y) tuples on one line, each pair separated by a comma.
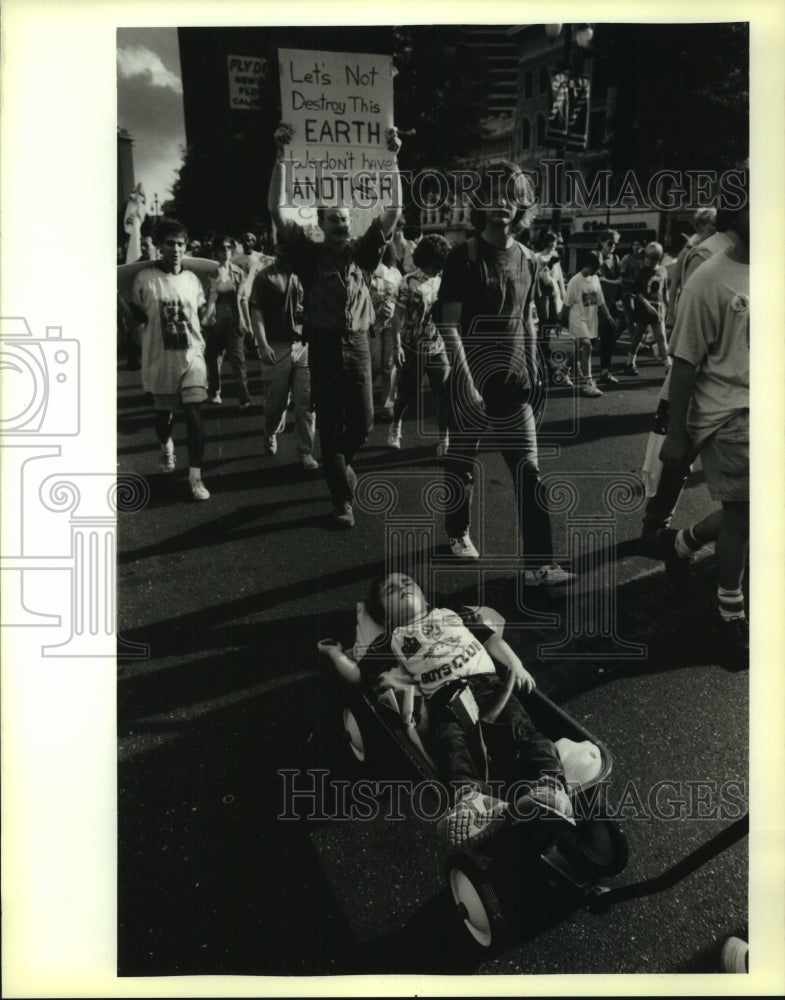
[(246, 77)]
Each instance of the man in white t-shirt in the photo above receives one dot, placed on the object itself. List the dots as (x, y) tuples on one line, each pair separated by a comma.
[(170, 302), (709, 415), (582, 303)]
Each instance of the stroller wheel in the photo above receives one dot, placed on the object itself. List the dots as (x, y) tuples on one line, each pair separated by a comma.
[(476, 901), (353, 735)]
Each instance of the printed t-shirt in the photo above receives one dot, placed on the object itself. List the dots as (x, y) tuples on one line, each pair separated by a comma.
[(172, 336), (584, 296)]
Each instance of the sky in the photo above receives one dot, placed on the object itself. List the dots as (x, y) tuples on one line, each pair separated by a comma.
[(150, 105)]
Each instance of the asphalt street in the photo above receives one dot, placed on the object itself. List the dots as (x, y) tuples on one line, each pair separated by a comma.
[(230, 597)]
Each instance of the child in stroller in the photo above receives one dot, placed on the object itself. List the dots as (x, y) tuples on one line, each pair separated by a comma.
[(447, 655)]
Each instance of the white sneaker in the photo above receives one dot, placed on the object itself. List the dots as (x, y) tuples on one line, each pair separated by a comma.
[(474, 817), (270, 445), (394, 435), (167, 460), (247, 405), (590, 389), (548, 576), (198, 490), (308, 462), (443, 446), (216, 399), (463, 547), (546, 798)]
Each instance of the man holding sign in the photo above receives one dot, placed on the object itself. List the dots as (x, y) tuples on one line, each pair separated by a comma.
[(336, 275)]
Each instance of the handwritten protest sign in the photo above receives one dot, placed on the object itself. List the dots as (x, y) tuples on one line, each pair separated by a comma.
[(246, 75), (340, 106)]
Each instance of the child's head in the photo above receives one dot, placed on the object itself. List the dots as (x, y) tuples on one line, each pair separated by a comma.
[(395, 600), (431, 253), (654, 253)]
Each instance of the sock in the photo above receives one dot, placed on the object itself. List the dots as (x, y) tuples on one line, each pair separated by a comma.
[(731, 603), (686, 543), (168, 447), (194, 474)]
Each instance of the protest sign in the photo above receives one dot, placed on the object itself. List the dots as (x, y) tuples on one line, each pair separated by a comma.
[(246, 75), (340, 106)]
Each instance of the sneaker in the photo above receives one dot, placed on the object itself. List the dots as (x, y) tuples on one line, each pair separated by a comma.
[(733, 643), (167, 461), (215, 400), (631, 369), (198, 490), (270, 444), (548, 576), (443, 447), (309, 463), (546, 799), (343, 515), (474, 818), (463, 548), (590, 389), (394, 435), (607, 379), (247, 405)]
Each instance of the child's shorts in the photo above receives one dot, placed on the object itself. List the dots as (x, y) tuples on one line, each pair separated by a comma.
[(193, 387), (725, 458)]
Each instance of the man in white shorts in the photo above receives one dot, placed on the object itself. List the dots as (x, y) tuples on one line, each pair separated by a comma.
[(170, 302)]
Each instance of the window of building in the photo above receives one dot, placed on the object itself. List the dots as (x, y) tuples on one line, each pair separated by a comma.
[(526, 134), (527, 85), (540, 130), (545, 80)]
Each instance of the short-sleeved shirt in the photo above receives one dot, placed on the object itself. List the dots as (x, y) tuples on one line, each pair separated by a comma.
[(495, 293), (651, 283), (608, 273), (584, 297), (172, 337), (417, 296), (337, 292), (629, 269), (443, 645), (279, 296), (713, 333)]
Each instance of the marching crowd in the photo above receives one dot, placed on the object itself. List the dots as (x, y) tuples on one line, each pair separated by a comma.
[(328, 318)]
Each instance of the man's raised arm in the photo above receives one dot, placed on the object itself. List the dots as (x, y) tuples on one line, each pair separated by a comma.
[(275, 195), (390, 216)]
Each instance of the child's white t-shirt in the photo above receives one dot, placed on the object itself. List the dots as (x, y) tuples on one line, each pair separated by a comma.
[(584, 296)]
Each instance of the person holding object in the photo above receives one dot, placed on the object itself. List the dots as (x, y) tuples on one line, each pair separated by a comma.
[(709, 400), (336, 276)]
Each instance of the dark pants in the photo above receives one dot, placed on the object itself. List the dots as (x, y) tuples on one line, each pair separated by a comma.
[(459, 753), (224, 338), (517, 437), (607, 336), (341, 386), (437, 368)]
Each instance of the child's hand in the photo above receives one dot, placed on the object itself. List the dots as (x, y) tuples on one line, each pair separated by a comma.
[(523, 679), (327, 646)]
